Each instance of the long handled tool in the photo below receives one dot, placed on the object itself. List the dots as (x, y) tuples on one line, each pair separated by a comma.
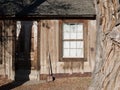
[(51, 72), (52, 78)]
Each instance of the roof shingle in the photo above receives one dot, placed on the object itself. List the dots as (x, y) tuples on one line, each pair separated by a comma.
[(50, 8)]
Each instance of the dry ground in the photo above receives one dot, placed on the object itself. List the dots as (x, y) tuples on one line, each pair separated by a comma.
[(4, 80), (70, 83)]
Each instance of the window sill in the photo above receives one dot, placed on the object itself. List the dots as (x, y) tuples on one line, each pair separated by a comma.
[(72, 59)]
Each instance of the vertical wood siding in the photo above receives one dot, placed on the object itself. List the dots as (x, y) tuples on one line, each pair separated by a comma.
[(49, 42), (49, 49), (8, 47)]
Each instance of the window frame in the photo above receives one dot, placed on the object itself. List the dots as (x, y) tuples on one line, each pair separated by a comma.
[(85, 29)]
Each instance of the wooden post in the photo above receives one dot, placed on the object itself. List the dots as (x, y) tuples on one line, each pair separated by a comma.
[(38, 49)]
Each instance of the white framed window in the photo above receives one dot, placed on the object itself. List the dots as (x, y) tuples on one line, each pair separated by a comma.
[(72, 40)]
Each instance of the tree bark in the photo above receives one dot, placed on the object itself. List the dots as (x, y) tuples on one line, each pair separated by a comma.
[(106, 74)]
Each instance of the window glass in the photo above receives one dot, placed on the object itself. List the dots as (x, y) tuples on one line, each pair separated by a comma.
[(66, 53), (73, 53), (80, 44), (73, 44), (66, 44)]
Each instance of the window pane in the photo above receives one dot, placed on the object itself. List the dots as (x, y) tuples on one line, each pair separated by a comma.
[(79, 31), (80, 53), (66, 28), (66, 36), (73, 32), (73, 28), (66, 31), (73, 53), (73, 44), (66, 44), (73, 36), (79, 35), (66, 52), (80, 28), (79, 44)]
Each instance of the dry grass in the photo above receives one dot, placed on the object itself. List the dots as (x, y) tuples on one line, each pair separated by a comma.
[(71, 83)]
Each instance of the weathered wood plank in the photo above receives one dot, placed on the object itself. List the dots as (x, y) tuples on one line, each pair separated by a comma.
[(50, 43)]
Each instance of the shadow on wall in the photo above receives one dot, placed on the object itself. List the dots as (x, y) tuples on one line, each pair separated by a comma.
[(22, 59), (23, 49)]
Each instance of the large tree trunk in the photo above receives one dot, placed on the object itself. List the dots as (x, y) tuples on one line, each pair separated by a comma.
[(106, 75)]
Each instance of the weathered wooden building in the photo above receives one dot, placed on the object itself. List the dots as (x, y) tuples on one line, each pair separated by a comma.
[(47, 37)]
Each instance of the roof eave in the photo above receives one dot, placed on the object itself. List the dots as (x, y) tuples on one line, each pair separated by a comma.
[(84, 16)]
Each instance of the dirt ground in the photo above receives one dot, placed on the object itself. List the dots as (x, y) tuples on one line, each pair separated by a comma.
[(70, 83), (4, 80)]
